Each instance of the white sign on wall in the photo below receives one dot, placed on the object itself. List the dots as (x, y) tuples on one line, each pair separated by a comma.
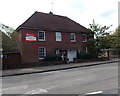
[(31, 37)]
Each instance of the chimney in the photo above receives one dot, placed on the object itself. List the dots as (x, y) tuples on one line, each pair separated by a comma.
[(50, 12)]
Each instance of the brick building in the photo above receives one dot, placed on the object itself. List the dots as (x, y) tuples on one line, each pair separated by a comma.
[(43, 34)]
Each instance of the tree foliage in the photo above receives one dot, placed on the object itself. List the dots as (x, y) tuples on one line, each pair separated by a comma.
[(6, 42), (8, 30), (14, 41), (115, 39), (9, 38), (100, 40), (99, 31)]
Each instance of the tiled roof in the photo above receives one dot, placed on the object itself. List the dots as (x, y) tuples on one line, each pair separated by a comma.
[(52, 22)]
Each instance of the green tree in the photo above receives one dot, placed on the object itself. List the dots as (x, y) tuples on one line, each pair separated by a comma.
[(9, 38), (6, 42), (115, 39), (100, 40), (15, 41), (8, 30)]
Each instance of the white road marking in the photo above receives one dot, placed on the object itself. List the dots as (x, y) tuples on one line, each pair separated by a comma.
[(97, 92)]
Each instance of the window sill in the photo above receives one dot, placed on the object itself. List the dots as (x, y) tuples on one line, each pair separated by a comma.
[(41, 40), (40, 58), (72, 41), (84, 41), (58, 41)]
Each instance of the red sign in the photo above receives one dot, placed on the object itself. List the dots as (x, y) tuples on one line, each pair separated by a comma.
[(31, 37)]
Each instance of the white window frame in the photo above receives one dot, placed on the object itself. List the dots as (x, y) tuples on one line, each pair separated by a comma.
[(39, 53), (58, 36), (74, 37), (85, 49), (57, 51), (85, 35), (43, 38)]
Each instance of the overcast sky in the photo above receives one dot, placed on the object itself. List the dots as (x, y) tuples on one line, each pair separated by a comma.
[(104, 12)]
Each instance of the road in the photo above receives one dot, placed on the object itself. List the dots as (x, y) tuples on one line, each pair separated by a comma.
[(100, 79)]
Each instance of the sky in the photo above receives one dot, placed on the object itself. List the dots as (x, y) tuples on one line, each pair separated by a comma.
[(105, 12)]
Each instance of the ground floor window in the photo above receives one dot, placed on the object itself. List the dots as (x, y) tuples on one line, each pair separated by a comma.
[(42, 52), (59, 52), (85, 49), (7, 55)]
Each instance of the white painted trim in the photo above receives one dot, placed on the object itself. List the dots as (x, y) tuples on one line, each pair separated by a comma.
[(74, 37), (44, 52), (69, 55), (60, 36), (44, 36), (86, 49), (85, 37)]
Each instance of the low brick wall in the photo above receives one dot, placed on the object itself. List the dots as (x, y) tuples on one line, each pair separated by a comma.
[(47, 63), (91, 60), (85, 60), (29, 65), (12, 60), (41, 63)]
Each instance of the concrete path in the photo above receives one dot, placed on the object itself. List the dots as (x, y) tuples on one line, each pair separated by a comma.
[(23, 71)]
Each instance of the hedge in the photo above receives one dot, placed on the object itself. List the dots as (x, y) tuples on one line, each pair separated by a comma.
[(83, 55), (53, 57)]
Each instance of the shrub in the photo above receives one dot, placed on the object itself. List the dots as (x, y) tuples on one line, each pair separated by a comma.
[(83, 55), (53, 57), (116, 51)]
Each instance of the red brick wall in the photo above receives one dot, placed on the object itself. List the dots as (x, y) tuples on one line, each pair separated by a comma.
[(29, 50), (12, 61)]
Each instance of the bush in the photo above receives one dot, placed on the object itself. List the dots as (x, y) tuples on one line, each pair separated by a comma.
[(116, 51), (53, 57), (84, 55)]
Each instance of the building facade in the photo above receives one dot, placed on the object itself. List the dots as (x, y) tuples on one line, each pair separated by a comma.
[(43, 34)]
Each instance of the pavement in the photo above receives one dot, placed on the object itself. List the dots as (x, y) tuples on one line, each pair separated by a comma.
[(41, 69), (82, 80)]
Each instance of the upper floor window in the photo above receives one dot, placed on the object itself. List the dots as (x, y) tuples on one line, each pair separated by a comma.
[(41, 35), (58, 36), (42, 52), (84, 38), (72, 37)]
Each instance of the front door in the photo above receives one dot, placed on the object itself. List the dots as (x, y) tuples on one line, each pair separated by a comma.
[(71, 54)]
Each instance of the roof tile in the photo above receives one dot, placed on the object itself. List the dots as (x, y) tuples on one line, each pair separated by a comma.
[(51, 21)]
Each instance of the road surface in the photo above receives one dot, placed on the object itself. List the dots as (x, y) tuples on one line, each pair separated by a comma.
[(100, 79)]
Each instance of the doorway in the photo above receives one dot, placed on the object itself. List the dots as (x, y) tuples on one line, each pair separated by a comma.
[(71, 55)]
